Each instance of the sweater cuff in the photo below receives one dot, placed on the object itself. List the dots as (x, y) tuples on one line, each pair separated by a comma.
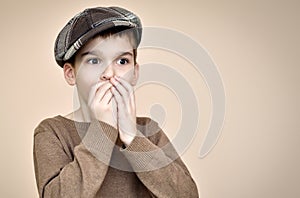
[(100, 139), (144, 156)]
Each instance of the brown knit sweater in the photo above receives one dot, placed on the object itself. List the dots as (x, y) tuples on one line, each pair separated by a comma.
[(86, 160)]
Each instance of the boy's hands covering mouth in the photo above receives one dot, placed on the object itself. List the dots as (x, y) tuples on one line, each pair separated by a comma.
[(113, 102)]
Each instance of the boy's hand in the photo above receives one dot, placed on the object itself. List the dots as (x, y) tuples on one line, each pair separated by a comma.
[(124, 97), (100, 103)]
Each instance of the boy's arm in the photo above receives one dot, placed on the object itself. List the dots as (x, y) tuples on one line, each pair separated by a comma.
[(58, 175), (159, 167)]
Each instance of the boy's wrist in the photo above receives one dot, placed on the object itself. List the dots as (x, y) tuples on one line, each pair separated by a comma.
[(127, 141), (126, 137)]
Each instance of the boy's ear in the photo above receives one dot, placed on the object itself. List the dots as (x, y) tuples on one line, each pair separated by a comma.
[(69, 73), (136, 74)]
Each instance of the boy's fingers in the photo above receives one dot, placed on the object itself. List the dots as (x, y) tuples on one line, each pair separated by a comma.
[(107, 97), (125, 84), (114, 109), (102, 91), (122, 90), (93, 91), (118, 98), (114, 103), (129, 89)]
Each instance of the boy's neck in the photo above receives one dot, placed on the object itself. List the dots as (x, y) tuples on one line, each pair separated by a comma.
[(80, 115)]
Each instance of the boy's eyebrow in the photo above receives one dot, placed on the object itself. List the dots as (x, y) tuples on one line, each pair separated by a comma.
[(89, 52), (125, 53)]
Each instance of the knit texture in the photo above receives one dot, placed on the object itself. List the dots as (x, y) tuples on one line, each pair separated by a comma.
[(78, 159)]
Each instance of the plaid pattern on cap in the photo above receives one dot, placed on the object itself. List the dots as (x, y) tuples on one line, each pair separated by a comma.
[(87, 24)]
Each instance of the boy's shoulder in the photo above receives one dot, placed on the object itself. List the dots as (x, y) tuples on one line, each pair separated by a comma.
[(50, 124)]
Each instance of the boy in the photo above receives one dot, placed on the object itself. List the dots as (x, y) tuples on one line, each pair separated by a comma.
[(102, 149)]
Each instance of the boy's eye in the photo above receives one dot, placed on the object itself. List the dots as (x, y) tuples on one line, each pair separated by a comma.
[(122, 61), (94, 61)]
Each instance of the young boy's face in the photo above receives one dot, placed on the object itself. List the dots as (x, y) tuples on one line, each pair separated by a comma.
[(103, 58)]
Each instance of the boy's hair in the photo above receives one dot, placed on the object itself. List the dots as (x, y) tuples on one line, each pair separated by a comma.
[(119, 31), (93, 22)]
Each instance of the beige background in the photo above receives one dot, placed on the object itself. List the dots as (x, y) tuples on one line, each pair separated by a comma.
[(256, 47)]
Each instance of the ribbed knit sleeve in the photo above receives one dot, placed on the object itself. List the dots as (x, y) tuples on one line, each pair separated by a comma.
[(58, 173), (158, 165)]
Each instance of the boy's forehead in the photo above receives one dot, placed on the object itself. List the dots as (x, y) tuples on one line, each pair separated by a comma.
[(109, 45)]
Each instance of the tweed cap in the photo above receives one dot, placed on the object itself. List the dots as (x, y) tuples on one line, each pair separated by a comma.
[(89, 23)]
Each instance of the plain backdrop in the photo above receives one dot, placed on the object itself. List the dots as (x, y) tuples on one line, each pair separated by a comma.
[(255, 45)]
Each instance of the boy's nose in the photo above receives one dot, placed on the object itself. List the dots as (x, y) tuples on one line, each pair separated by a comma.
[(107, 73)]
